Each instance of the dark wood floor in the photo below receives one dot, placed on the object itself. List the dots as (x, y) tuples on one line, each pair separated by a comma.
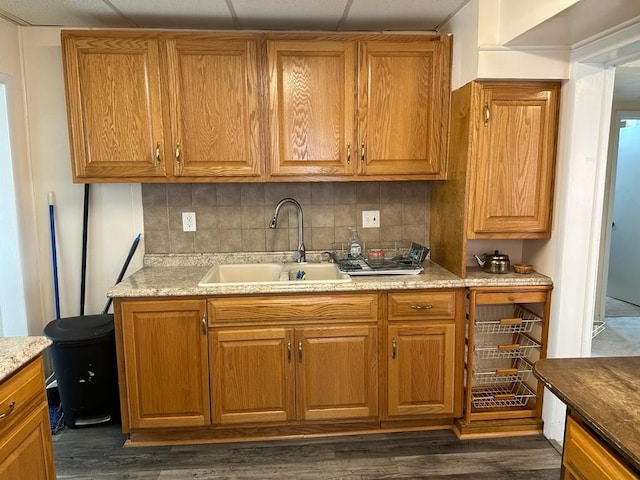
[(96, 453)]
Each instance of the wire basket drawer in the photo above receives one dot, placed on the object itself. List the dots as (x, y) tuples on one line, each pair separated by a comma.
[(522, 347), (514, 395), (505, 319), (496, 373)]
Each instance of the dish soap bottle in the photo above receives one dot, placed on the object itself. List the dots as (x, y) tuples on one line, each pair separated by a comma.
[(355, 247)]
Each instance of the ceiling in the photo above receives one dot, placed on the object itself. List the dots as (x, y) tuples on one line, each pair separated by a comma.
[(322, 15), (326, 15)]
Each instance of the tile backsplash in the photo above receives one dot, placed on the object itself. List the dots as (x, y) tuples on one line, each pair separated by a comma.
[(234, 217)]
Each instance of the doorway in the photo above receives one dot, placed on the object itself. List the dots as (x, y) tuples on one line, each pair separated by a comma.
[(618, 332), (13, 319)]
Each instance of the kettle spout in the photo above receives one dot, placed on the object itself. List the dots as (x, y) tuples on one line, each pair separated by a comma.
[(481, 261)]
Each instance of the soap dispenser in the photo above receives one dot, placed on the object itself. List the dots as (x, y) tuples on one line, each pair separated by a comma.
[(355, 247)]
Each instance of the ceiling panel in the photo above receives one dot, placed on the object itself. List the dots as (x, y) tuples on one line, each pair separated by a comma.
[(413, 15), (289, 14), (204, 14), (68, 13)]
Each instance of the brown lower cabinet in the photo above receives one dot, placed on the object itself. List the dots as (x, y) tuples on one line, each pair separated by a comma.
[(252, 366), (25, 436), (585, 457)]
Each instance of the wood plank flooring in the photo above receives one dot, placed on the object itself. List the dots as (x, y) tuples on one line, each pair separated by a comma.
[(97, 453)]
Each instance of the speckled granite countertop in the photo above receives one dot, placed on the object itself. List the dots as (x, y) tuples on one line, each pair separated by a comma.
[(16, 351), (605, 391), (178, 275)]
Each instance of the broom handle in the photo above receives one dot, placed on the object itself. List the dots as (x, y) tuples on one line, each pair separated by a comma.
[(132, 250)]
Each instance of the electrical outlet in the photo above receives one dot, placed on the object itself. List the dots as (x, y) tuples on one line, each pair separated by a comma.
[(188, 221), (371, 218)]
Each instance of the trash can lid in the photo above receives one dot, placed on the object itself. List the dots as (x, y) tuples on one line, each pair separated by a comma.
[(81, 328)]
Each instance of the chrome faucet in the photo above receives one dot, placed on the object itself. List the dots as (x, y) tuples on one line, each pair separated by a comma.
[(300, 254)]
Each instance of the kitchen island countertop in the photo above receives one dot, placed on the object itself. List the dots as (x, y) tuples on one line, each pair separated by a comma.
[(605, 392), (17, 351)]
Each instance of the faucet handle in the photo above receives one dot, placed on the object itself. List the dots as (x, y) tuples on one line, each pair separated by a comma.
[(297, 256)]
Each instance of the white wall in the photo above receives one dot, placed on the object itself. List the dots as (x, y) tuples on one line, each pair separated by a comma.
[(32, 57)]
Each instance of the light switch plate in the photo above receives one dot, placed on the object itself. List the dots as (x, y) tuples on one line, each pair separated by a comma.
[(370, 218)]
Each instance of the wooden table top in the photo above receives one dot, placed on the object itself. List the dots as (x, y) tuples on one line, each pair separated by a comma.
[(605, 391)]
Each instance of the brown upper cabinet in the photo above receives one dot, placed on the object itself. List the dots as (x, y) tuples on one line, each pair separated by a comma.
[(502, 154), (163, 106), (370, 107), (239, 107)]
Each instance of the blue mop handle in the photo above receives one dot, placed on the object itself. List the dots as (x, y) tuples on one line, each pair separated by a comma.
[(52, 226)]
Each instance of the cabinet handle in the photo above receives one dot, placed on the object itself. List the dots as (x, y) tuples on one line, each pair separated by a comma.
[(178, 159), (203, 324), (158, 153), (289, 352), (487, 114), (394, 348), (349, 153), (362, 151), (9, 410), (422, 307), (300, 351)]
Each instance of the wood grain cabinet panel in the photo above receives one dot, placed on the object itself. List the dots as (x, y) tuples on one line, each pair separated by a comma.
[(359, 107), (214, 102), (424, 350), (114, 106), (403, 108), (312, 89), (513, 176), (585, 457), (421, 369), (163, 106), (252, 373), (26, 449), (165, 363)]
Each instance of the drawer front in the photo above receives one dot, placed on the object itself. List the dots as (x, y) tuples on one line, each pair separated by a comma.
[(19, 390), (422, 305), (361, 307), (511, 297), (585, 457)]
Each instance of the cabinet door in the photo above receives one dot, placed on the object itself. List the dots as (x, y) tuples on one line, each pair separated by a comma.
[(337, 374), (114, 106), (403, 107), (166, 364), (512, 180), (311, 107), (214, 96), (26, 451), (421, 369), (252, 375)]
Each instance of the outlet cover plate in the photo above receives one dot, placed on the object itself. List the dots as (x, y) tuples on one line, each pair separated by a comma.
[(370, 218), (188, 221)]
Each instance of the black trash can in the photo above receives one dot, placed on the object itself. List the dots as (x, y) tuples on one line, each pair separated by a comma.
[(84, 362)]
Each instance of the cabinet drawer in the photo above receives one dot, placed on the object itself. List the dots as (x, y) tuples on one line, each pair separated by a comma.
[(422, 305), (19, 390), (511, 297), (585, 457), (362, 308)]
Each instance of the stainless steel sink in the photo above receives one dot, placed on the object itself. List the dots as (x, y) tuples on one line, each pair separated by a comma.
[(272, 273)]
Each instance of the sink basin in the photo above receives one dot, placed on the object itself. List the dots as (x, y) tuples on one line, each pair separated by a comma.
[(318, 272), (272, 273), (242, 273)]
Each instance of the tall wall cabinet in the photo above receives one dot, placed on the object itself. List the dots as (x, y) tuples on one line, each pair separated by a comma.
[(501, 168)]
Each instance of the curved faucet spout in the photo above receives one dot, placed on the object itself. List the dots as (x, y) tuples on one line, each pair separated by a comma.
[(301, 253)]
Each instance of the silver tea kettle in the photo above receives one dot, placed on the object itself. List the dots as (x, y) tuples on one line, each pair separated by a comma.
[(494, 263)]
